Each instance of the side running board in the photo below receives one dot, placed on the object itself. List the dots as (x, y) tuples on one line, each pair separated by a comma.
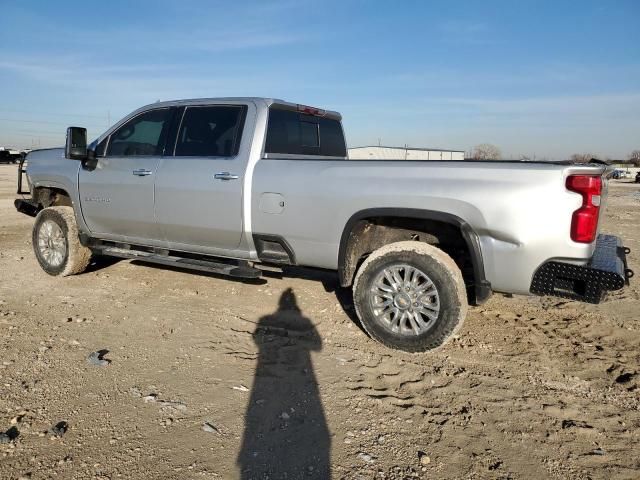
[(231, 269)]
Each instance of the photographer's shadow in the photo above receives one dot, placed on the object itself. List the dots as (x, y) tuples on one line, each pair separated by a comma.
[(286, 433)]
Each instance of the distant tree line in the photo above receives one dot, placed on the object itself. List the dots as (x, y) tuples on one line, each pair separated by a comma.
[(632, 159), (487, 151)]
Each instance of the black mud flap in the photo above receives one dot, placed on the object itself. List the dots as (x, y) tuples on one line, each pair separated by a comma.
[(607, 270), (27, 206), (21, 171)]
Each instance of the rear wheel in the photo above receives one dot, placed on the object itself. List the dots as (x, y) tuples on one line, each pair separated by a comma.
[(56, 242), (410, 296)]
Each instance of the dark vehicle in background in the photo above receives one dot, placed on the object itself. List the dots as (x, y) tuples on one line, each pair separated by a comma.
[(638, 177), (617, 174), (9, 155)]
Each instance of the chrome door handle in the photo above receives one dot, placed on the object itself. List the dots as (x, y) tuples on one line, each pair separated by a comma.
[(225, 176), (141, 172)]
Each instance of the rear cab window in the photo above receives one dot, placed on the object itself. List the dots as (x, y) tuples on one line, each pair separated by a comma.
[(290, 132)]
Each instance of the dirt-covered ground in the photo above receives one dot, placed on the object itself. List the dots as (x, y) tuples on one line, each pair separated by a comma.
[(209, 378)]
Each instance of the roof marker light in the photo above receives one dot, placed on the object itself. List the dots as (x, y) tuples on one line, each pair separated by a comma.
[(311, 110)]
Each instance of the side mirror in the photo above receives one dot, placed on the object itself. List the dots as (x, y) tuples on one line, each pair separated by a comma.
[(76, 146)]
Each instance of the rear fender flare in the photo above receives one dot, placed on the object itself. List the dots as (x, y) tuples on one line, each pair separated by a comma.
[(482, 285)]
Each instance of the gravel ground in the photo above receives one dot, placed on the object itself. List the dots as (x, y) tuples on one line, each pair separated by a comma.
[(198, 376)]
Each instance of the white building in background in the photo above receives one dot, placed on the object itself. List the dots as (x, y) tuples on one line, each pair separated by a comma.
[(402, 153)]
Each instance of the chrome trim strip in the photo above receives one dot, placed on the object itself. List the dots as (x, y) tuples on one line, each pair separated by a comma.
[(293, 156)]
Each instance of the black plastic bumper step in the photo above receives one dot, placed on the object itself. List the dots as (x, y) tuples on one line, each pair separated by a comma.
[(607, 270), (230, 269)]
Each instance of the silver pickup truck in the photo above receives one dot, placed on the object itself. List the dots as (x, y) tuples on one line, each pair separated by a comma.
[(227, 185)]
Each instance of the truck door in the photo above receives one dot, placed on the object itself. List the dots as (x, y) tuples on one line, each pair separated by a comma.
[(116, 191), (199, 188)]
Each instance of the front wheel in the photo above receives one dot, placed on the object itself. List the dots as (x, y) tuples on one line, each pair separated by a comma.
[(410, 296), (56, 242)]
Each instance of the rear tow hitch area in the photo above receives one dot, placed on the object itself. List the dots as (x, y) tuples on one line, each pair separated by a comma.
[(607, 270)]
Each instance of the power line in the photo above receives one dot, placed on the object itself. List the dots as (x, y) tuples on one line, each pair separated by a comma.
[(101, 117), (52, 135), (44, 122), (33, 131)]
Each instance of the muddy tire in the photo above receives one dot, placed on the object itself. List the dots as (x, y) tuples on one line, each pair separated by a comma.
[(56, 243), (410, 296)]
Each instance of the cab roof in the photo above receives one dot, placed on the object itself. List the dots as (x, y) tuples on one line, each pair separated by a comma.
[(266, 101)]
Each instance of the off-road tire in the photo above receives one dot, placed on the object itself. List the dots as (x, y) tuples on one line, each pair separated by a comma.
[(443, 272), (77, 257)]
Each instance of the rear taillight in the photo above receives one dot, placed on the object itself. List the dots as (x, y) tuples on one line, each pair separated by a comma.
[(584, 223)]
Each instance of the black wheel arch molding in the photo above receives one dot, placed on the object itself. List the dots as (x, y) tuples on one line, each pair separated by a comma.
[(482, 287), (32, 206)]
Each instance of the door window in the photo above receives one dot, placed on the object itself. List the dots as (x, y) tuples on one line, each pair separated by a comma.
[(143, 135), (212, 131)]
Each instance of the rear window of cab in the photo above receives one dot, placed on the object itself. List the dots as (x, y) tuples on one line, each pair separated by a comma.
[(294, 133)]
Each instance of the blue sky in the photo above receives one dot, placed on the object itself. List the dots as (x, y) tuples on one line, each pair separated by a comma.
[(548, 78)]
